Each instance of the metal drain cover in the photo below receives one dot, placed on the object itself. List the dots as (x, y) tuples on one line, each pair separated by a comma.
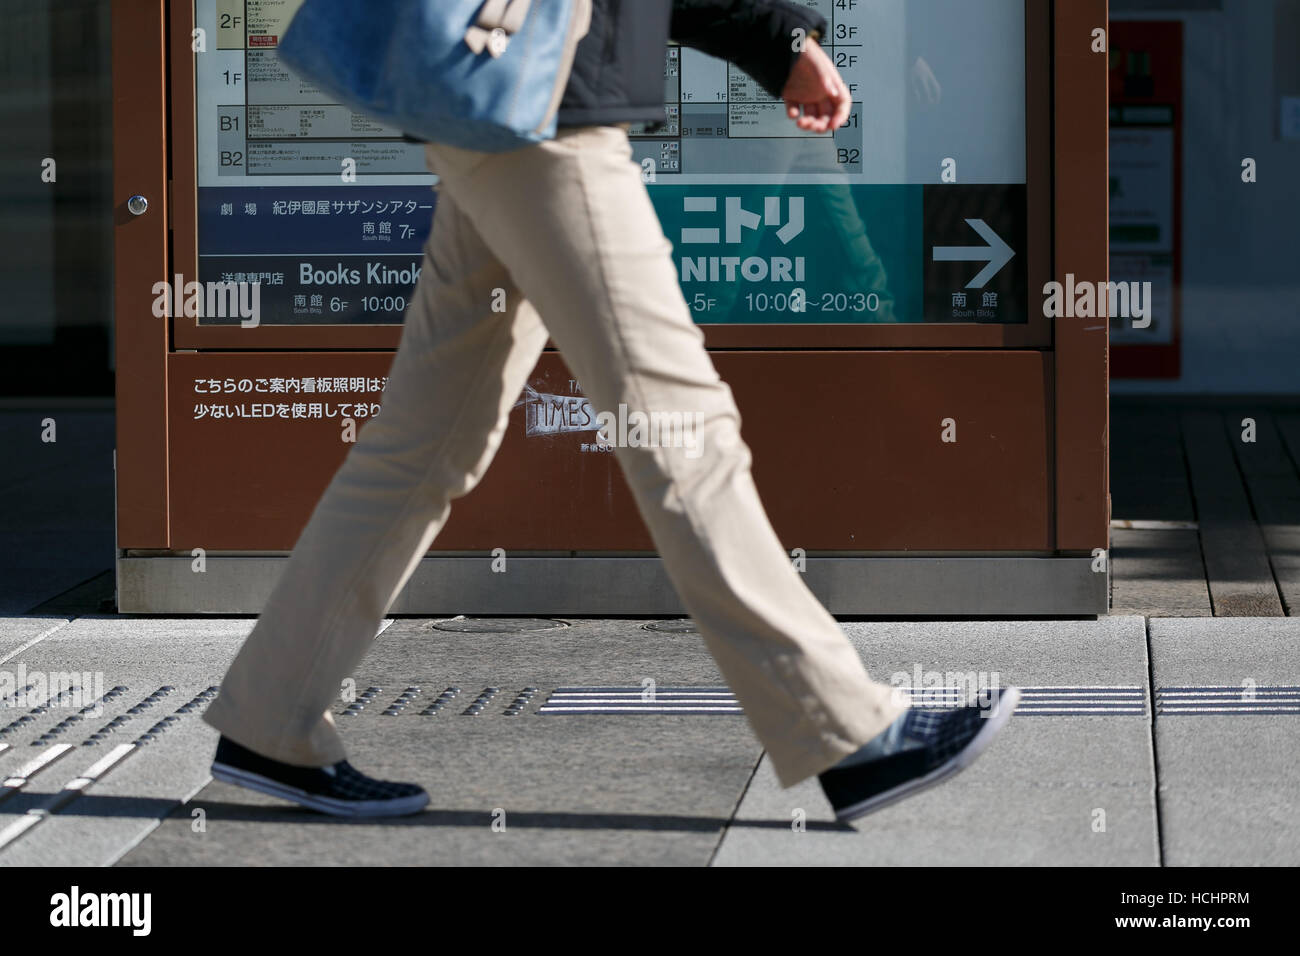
[(497, 625), (678, 626)]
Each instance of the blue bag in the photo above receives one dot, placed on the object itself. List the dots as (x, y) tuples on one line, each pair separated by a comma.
[(485, 75)]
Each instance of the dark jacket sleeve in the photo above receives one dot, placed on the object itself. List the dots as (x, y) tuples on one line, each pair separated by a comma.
[(756, 35)]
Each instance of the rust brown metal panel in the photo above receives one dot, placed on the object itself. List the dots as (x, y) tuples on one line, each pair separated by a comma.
[(140, 260), (251, 483), (184, 211), (848, 452), (1082, 216), (1038, 149), (847, 447), (847, 456)]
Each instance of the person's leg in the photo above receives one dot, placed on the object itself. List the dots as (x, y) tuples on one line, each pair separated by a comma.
[(575, 226), (453, 381)]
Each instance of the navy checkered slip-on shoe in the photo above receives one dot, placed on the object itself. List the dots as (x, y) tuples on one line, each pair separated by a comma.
[(340, 790), (920, 749)]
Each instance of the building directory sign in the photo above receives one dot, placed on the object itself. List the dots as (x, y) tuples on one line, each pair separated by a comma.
[(915, 211)]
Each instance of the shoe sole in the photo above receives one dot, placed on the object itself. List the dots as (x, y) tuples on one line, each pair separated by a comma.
[(958, 762), (399, 806)]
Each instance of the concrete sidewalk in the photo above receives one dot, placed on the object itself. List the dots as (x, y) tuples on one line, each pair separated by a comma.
[(1086, 773)]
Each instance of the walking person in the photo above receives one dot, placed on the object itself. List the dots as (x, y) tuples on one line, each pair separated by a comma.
[(567, 229)]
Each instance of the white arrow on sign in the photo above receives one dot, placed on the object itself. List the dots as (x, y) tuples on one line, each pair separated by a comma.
[(997, 253)]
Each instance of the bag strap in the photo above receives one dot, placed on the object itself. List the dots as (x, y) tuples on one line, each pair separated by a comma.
[(497, 21)]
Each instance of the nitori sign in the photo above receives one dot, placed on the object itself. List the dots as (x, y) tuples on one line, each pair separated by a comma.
[(736, 220)]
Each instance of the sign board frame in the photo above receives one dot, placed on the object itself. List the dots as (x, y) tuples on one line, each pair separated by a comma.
[(1036, 332)]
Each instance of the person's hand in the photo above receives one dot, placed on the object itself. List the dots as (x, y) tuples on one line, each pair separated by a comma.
[(815, 96)]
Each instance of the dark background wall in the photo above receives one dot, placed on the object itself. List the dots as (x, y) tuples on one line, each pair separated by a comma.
[(56, 239)]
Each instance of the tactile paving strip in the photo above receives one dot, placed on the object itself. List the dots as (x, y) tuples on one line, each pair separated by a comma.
[(1227, 700), (409, 697), (641, 700), (1045, 701), (1040, 701), (96, 708), (65, 696), (51, 753)]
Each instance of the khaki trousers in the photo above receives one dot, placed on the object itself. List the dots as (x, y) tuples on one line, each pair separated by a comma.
[(567, 229)]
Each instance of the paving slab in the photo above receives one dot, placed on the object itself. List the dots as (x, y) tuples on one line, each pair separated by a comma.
[(155, 667), (594, 789), (1073, 790), (1022, 803), (1230, 772), (1109, 650), (17, 631), (659, 789)]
